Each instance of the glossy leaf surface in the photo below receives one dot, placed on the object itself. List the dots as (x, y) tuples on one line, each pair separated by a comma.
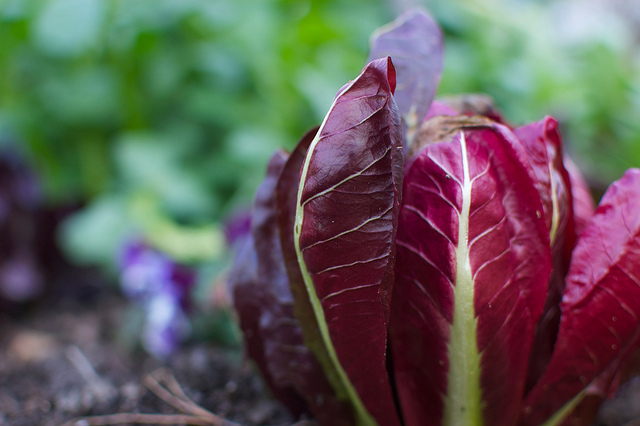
[(286, 201), (414, 43), (250, 299), (601, 303), (472, 270), (541, 140), (583, 204), (272, 334), (346, 221), (439, 108)]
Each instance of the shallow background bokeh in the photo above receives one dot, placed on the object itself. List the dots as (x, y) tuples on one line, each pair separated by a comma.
[(154, 119)]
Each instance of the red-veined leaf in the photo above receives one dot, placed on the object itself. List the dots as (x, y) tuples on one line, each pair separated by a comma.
[(583, 205), (346, 220), (600, 306), (543, 145), (263, 300), (286, 203), (473, 266)]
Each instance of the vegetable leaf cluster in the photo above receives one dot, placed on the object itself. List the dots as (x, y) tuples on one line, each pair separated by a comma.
[(415, 262)]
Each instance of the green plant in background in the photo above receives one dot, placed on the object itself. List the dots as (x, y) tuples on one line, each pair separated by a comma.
[(576, 60), (159, 114), (167, 109), (157, 117)]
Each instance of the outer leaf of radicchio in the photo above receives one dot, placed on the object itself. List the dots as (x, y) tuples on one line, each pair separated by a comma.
[(600, 307), (346, 221), (541, 141), (414, 43), (473, 265), (272, 334)]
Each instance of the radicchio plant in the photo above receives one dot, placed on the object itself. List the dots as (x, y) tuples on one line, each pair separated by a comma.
[(446, 271)]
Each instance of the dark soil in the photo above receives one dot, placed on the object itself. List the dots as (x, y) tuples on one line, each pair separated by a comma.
[(61, 361)]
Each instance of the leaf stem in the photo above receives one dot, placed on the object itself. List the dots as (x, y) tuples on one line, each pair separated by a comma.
[(559, 416), (463, 401)]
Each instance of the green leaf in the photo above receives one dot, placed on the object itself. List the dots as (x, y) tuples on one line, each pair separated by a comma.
[(69, 27)]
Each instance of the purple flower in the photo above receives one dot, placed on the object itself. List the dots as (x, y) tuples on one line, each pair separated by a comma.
[(162, 287), (237, 226), (21, 269), (166, 327)]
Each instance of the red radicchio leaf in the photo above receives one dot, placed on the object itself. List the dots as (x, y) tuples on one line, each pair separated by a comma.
[(265, 306), (250, 299), (271, 267), (414, 43), (473, 265), (600, 306), (286, 204), (439, 108), (346, 221), (469, 104), (583, 205), (542, 143)]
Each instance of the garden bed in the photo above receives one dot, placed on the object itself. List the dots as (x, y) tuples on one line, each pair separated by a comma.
[(60, 361)]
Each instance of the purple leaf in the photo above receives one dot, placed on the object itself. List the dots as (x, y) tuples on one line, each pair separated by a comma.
[(266, 235), (346, 220), (414, 43), (237, 226), (473, 266), (252, 299), (265, 305), (286, 203), (601, 302)]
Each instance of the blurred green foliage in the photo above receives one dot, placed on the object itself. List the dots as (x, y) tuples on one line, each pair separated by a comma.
[(160, 115), (578, 61), (179, 94)]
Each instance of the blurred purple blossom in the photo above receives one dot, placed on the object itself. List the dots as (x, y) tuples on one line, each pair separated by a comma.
[(21, 275), (237, 226), (162, 288), (167, 325)]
